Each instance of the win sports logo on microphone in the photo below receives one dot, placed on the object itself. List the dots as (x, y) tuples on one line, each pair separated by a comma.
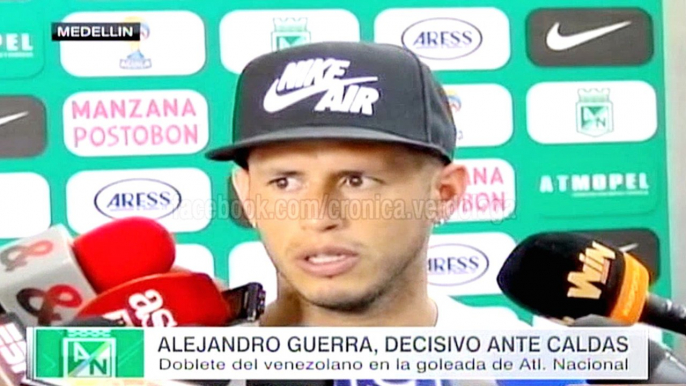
[(86, 353)]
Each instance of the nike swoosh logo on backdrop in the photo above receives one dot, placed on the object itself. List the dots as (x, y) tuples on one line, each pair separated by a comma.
[(9, 118), (274, 102), (628, 247), (557, 42)]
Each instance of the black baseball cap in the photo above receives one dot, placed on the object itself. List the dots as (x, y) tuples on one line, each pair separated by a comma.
[(340, 90)]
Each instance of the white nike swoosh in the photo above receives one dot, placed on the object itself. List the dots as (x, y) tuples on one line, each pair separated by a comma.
[(9, 118), (557, 42), (274, 102), (628, 247)]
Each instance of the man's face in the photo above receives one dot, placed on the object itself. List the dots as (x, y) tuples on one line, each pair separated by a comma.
[(335, 223)]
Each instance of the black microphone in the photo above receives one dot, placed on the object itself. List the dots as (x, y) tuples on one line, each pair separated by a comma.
[(567, 276), (96, 321), (663, 366)]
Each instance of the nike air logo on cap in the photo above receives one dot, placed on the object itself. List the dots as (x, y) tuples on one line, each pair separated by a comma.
[(274, 102), (9, 118), (305, 78), (557, 42)]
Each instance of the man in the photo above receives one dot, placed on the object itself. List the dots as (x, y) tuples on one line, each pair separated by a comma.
[(323, 130)]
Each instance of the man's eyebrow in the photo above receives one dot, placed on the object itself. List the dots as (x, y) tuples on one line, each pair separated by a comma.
[(282, 172)]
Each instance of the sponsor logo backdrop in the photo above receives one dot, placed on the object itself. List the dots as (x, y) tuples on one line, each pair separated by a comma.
[(559, 107)]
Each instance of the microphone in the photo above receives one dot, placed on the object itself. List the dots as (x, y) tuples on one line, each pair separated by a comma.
[(663, 366), (45, 278), (565, 276), (177, 299), (95, 321), (12, 350)]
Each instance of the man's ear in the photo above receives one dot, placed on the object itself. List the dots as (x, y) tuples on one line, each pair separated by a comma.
[(452, 184), (240, 181)]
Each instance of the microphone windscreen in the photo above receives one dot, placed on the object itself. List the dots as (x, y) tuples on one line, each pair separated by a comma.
[(124, 250), (563, 275), (164, 300)]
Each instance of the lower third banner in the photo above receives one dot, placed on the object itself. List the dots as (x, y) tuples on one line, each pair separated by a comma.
[(336, 353)]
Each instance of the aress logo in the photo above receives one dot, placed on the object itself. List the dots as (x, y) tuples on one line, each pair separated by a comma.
[(306, 78), (148, 310)]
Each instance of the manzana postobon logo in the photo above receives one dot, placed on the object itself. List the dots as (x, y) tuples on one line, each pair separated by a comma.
[(91, 353)]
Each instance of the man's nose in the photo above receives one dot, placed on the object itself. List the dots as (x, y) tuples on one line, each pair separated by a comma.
[(317, 212)]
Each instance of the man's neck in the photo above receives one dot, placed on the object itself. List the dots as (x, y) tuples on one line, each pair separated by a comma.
[(404, 308)]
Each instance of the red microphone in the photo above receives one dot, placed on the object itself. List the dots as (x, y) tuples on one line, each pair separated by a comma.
[(45, 279), (123, 250), (177, 299)]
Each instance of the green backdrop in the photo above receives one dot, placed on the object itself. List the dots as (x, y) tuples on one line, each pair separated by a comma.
[(53, 85)]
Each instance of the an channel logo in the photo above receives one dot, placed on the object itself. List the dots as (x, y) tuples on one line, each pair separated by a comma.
[(172, 43), (180, 199), (448, 38), (24, 205), (246, 34), (591, 112), (467, 264), (127, 123), (490, 194)]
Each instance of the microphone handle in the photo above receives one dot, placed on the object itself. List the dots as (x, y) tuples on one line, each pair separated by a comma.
[(663, 313), (670, 371)]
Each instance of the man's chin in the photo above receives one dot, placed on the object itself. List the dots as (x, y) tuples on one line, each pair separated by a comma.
[(341, 301)]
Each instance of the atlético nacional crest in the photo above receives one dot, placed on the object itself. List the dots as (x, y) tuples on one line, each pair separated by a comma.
[(289, 32), (594, 112)]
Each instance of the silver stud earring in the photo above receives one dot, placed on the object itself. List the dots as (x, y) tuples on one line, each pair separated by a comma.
[(439, 221)]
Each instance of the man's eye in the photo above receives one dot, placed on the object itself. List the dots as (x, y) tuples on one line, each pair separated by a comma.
[(283, 183), (357, 181)]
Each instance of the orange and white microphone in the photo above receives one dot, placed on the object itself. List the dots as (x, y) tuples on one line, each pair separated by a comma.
[(46, 278)]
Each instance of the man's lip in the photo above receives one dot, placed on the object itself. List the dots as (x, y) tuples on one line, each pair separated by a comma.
[(328, 269), (331, 250)]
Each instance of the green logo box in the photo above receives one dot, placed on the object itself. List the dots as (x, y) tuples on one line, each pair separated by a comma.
[(22, 40), (88, 353), (592, 186)]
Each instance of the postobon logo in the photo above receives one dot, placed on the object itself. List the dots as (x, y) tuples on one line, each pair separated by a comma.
[(89, 354), (148, 310)]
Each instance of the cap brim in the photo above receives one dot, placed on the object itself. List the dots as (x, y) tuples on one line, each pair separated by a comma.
[(230, 152)]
